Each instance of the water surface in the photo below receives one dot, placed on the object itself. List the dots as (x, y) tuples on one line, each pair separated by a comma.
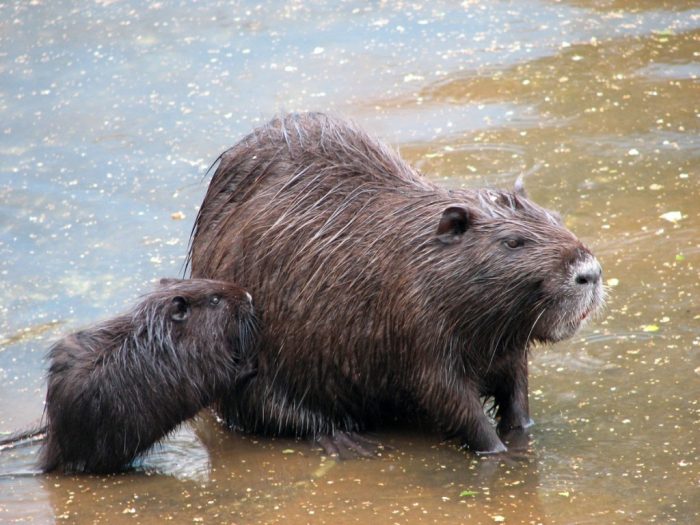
[(111, 112)]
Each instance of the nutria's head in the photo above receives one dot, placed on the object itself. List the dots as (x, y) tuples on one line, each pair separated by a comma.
[(519, 267), (204, 313)]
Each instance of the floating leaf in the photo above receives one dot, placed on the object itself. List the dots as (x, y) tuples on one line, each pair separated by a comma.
[(564, 493), (680, 257), (411, 77), (650, 328), (288, 451), (467, 494), (613, 281), (323, 469), (177, 216), (672, 216)]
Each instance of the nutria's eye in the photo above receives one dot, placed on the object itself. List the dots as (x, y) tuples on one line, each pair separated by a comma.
[(214, 300), (514, 242)]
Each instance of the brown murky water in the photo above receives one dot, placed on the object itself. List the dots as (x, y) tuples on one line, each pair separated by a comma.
[(110, 113)]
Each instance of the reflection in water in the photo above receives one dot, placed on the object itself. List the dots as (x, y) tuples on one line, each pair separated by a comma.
[(111, 112), (276, 481), (220, 475)]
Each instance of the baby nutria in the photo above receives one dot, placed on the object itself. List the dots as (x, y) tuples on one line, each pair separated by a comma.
[(380, 292), (117, 388)]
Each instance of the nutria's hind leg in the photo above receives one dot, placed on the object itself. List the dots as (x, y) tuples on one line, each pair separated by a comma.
[(254, 407), (349, 445)]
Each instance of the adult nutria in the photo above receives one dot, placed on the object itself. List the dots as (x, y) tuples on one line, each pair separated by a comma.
[(118, 387), (380, 292)]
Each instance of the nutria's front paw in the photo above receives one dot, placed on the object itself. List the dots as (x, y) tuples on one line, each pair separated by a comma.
[(484, 445), (528, 423), (517, 439), (506, 426), (499, 448)]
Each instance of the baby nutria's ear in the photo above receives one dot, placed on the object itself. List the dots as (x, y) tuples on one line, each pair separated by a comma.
[(167, 281), (453, 223), (519, 188), (179, 309)]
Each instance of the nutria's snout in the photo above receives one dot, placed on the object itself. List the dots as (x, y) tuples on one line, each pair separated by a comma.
[(587, 276), (588, 279), (588, 272), (580, 297)]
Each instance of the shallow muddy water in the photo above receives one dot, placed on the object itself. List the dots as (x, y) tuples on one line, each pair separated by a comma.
[(111, 112)]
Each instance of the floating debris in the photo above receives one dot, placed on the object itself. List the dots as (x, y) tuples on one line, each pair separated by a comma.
[(672, 216)]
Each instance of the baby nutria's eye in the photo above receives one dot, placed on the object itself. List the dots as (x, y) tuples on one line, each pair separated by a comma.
[(514, 242), (214, 300)]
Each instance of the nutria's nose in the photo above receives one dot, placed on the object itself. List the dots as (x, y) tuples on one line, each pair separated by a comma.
[(588, 272)]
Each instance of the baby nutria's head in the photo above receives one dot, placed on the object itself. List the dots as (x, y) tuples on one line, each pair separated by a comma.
[(518, 268), (200, 312)]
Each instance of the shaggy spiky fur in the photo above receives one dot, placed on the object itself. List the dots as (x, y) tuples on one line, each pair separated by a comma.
[(120, 386), (379, 290)]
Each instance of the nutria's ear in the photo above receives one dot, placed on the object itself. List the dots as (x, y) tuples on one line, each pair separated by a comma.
[(179, 309), (519, 188), (453, 223), (167, 281)]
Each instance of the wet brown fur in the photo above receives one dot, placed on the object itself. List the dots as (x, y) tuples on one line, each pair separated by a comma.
[(118, 387), (380, 291)]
